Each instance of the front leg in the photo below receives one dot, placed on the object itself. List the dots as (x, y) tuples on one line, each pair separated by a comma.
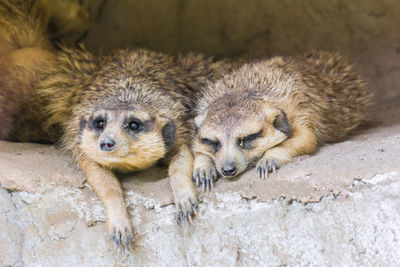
[(109, 191), (204, 171), (302, 141), (185, 194)]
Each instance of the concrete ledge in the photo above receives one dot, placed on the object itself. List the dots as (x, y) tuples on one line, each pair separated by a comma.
[(340, 206)]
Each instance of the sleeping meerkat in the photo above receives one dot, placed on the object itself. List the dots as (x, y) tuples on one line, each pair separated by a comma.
[(266, 113), (126, 112)]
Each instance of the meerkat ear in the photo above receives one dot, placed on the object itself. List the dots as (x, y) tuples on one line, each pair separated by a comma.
[(281, 123), (168, 133)]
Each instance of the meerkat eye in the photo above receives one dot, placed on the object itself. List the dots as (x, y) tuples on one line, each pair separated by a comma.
[(245, 142), (135, 125), (215, 145), (99, 123)]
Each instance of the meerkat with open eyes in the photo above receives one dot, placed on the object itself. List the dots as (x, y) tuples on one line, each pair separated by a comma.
[(126, 112), (267, 112), (123, 112)]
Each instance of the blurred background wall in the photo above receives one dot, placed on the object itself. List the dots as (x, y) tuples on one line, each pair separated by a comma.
[(366, 31)]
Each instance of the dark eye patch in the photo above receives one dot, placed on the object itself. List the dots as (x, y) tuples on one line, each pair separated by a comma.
[(246, 141), (98, 123), (134, 125), (215, 145)]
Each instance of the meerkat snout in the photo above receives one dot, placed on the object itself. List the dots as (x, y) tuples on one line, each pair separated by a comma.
[(107, 144), (228, 168)]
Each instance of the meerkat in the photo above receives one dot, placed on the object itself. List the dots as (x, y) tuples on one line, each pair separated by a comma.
[(126, 112), (268, 112), (26, 29), (123, 112)]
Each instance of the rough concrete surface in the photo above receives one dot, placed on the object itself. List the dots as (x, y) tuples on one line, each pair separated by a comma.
[(339, 207)]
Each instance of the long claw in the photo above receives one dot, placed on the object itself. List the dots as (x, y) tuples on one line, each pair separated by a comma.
[(273, 167), (114, 237), (189, 216), (118, 241), (196, 178), (194, 208), (180, 214), (129, 239), (125, 243), (213, 177)]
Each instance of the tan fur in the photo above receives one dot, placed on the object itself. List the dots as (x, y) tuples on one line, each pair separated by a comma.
[(79, 90), (107, 187), (289, 106), (18, 72), (25, 50), (22, 24)]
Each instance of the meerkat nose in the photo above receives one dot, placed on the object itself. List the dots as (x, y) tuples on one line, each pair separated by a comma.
[(107, 144), (229, 169)]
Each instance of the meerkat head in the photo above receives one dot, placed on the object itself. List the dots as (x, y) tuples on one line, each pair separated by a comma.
[(236, 130), (126, 138)]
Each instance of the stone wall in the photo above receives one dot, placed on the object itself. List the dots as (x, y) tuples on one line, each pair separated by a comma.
[(365, 30)]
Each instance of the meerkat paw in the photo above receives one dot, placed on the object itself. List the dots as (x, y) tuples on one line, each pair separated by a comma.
[(266, 166), (204, 172), (206, 176), (121, 232), (272, 161), (186, 204)]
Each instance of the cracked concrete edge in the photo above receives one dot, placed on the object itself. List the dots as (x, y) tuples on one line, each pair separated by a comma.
[(228, 227)]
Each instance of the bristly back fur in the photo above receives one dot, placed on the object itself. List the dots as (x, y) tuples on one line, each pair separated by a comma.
[(319, 86)]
